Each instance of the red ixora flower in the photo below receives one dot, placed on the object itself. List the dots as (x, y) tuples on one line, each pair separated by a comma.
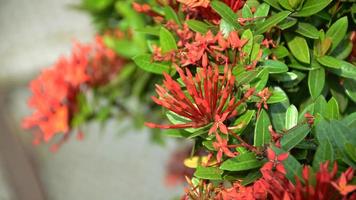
[(210, 98), (54, 91), (275, 161), (222, 147)]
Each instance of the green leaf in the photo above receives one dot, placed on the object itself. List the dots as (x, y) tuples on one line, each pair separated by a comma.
[(262, 11), (225, 12), (307, 30), (241, 162), (167, 40), (316, 81), (337, 32), (292, 166), (277, 112), (332, 109), (171, 15), (261, 80), (294, 136), (151, 30), (350, 88), (198, 26), (287, 23), (320, 106), (288, 77), (285, 4), (324, 152), (247, 48), (291, 117), (274, 4), (130, 50), (298, 47), (347, 70), (271, 21), (280, 52), (275, 66), (331, 62), (262, 135), (278, 95), (244, 120), (210, 173), (246, 76), (144, 62), (225, 28), (338, 135), (351, 151), (246, 11), (251, 177), (311, 7)]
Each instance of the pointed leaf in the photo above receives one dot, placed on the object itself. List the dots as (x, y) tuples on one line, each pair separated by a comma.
[(332, 109), (241, 162), (350, 88), (144, 62), (337, 32), (262, 135), (271, 21), (198, 26), (225, 12), (298, 47), (291, 117), (275, 66), (307, 30), (331, 62), (311, 7), (210, 173), (294, 136), (316, 81)]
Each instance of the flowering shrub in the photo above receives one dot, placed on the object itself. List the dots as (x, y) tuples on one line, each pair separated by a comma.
[(265, 89)]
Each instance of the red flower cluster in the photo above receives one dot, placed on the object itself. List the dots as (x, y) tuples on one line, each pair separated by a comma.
[(274, 185), (197, 49), (55, 89), (210, 98)]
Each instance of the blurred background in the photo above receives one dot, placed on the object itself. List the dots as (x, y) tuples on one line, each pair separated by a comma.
[(110, 163)]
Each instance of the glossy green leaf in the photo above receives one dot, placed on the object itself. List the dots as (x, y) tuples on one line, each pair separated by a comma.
[(225, 12), (262, 135), (285, 4), (320, 106), (198, 26), (307, 30), (246, 11), (277, 112), (311, 7), (247, 48), (294, 136), (316, 81), (274, 4), (210, 173), (287, 23), (298, 47), (347, 70), (171, 15), (262, 11), (350, 88), (338, 135), (275, 66), (337, 32), (291, 117), (243, 120), (245, 77), (331, 62), (241, 162), (280, 51), (167, 40), (332, 109), (271, 21), (324, 152), (261, 80), (278, 95), (145, 63), (285, 77)]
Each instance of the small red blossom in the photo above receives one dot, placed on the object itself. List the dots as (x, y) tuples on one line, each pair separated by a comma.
[(310, 118), (342, 186), (222, 147), (275, 162), (265, 94)]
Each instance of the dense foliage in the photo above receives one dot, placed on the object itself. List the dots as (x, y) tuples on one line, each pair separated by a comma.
[(266, 90)]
